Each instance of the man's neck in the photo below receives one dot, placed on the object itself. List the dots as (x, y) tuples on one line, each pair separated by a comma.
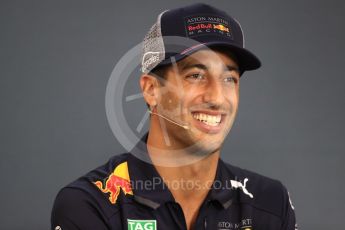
[(193, 180), (188, 176), (185, 173)]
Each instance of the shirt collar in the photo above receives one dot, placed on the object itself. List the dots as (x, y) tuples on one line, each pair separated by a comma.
[(221, 190), (147, 185)]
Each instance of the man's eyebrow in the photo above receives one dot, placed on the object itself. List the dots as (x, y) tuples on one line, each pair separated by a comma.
[(190, 66), (204, 67), (231, 67)]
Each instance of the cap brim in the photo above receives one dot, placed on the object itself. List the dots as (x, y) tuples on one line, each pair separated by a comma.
[(246, 60)]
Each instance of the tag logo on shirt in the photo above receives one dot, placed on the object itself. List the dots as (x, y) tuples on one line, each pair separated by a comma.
[(142, 224)]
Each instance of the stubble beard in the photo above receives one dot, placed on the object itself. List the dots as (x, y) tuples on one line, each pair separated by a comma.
[(187, 142)]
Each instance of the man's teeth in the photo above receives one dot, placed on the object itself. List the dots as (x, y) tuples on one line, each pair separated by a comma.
[(208, 119)]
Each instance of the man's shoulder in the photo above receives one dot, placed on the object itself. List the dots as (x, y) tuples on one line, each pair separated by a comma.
[(266, 194), (103, 170), (91, 188), (260, 181), (86, 182)]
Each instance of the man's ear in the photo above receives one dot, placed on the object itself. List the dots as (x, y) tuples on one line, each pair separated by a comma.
[(149, 86)]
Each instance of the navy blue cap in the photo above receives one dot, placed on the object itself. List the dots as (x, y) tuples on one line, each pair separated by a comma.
[(182, 31)]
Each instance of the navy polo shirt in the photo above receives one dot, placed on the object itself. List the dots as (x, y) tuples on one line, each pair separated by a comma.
[(128, 193)]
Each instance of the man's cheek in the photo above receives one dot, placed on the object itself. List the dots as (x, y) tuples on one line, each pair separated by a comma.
[(171, 103)]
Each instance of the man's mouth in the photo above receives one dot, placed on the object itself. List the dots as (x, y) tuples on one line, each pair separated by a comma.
[(211, 120)]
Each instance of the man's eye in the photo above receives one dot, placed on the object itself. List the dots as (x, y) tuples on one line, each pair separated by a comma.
[(196, 76), (230, 79)]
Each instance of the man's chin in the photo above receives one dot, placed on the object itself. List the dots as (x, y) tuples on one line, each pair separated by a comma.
[(203, 148), (198, 143)]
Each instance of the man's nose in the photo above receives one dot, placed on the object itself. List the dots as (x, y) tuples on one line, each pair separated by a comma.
[(214, 93)]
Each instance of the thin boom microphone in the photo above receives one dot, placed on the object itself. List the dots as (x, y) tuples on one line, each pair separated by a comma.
[(168, 119)]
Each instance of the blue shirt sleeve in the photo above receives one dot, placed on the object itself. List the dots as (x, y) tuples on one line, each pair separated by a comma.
[(73, 209), (290, 218)]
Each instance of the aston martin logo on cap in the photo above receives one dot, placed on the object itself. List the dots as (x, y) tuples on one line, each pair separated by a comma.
[(207, 25)]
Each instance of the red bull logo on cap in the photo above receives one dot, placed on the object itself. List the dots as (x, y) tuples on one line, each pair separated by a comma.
[(117, 181), (200, 25), (221, 27)]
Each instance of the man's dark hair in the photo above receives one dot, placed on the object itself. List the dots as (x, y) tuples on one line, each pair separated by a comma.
[(160, 73)]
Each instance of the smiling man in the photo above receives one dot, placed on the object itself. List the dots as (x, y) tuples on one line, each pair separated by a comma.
[(193, 58)]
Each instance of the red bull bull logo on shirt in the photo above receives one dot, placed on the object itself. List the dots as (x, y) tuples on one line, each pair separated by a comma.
[(117, 181)]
